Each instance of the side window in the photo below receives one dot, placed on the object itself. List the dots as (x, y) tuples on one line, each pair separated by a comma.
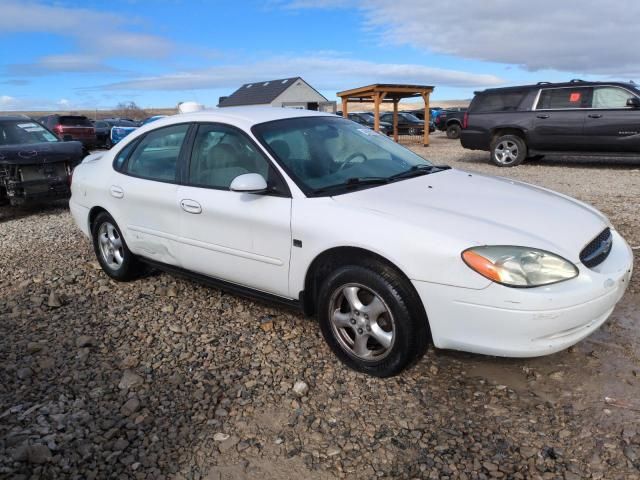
[(220, 154), (155, 157), (610, 97), (563, 98), (122, 156), (505, 101)]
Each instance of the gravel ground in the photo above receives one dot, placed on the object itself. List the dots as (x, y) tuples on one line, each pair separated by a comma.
[(164, 378)]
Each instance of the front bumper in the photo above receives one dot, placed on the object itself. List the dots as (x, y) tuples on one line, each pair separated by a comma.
[(527, 322)]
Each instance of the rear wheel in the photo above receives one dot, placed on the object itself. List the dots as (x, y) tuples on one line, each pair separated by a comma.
[(453, 131), (372, 320), (508, 151), (112, 252)]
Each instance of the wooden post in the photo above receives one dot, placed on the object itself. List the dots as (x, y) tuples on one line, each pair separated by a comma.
[(427, 118), (395, 119), (376, 111), (345, 106)]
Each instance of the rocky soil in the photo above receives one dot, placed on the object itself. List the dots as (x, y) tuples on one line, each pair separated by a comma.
[(165, 378)]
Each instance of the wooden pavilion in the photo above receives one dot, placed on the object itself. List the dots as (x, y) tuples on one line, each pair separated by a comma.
[(388, 93)]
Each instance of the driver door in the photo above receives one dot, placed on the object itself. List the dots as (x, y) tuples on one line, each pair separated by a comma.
[(242, 238)]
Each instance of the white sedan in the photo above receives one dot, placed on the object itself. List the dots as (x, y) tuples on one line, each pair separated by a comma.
[(389, 251)]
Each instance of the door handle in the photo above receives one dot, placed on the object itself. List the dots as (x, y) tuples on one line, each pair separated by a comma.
[(594, 115), (542, 115), (190, 206), (116, 191)]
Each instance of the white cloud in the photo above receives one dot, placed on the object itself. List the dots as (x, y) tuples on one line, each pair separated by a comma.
[(323, 72), (572, 35), (75, 63), (580, 36), (96, 33)]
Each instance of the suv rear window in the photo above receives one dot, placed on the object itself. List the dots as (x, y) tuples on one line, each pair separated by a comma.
[(552, 98), (506, 101), (74, 120)]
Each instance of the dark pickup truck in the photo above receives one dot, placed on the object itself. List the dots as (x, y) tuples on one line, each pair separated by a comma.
[(35, 166), (450, 121), (576, 118)]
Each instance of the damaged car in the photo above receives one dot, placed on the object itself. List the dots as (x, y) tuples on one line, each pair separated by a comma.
[(34, 164)]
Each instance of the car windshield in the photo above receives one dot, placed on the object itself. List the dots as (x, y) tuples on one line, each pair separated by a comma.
[(329, 155), (410, 117), (24, 132)]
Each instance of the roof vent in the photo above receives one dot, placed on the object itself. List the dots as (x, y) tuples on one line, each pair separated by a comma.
[(285, 80), (250, 85), (265, 84)]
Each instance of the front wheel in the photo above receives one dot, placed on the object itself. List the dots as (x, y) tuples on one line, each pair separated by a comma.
[(372, 319), (453, 131), (112, 252), (508, 151)]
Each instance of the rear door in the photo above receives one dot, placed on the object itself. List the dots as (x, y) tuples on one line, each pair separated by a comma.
[(143, 193), (611, 126), (559, 119)]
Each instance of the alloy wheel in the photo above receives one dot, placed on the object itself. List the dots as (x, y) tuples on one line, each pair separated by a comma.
[(362, 322), (110, 244), (506, 152)]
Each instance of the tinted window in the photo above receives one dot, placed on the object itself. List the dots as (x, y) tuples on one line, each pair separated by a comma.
[(74, 120), (610, 97), (156, 156), (122, 155), (505, 101), (552, 98), (102, 125), (220, 154), (24, 132)]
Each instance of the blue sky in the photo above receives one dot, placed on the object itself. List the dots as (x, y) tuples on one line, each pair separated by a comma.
[(54, 55)]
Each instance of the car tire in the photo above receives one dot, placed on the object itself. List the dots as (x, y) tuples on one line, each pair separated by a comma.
[(412, 131), (372, 319), (4, 199), (508, 150), (453, 131), (112, 252)]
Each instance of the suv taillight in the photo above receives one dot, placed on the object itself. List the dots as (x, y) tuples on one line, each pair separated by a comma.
[(57, 128), (465, 120)]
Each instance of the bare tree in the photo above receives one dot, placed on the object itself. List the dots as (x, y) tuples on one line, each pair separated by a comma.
[(130, 110)]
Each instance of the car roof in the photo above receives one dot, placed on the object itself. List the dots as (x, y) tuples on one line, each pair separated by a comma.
[(572, 83), (247, 116), (15, 118)]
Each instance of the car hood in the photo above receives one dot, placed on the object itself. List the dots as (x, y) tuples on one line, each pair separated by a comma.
[(476, 209), (38, 153)]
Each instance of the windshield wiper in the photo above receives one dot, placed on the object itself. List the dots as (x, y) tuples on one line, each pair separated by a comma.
[(417, 170), (353, 182)]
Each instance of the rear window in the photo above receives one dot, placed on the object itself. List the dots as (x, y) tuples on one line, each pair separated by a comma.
[(73, 121), (507, 101), (24, 133), (560, 98)]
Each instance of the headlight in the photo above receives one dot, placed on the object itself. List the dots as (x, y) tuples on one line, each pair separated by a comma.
[(519, 266)]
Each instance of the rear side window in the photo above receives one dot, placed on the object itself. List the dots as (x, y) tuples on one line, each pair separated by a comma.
[(122, 156), (563, 98), (156, 155), (506, 101), (75, 120)]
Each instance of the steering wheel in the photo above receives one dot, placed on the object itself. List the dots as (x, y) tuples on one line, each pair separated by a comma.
[(351, 158)]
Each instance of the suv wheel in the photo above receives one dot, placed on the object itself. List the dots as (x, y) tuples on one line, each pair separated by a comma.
[(371, 320), (453, 131), (114, 256), (508, 151)]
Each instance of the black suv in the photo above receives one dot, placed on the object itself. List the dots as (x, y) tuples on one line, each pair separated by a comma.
[(575, 117)]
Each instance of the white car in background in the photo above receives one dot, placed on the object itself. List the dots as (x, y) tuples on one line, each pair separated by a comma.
[(388, 250)]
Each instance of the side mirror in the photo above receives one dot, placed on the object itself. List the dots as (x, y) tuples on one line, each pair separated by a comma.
[(67, 138), (249, 183), (633, 102)]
